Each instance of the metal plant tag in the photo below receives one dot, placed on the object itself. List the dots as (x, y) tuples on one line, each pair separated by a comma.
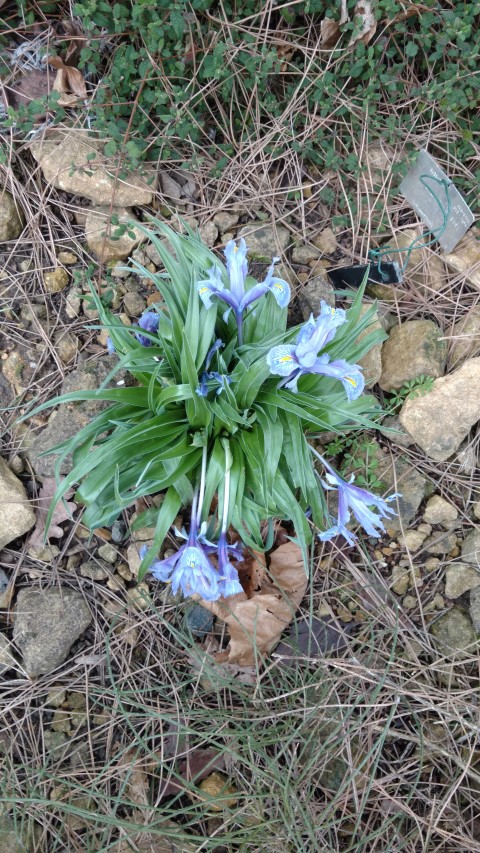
[(460, 218)]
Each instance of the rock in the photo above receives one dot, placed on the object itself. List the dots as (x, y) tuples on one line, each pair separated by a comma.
[(224, 220), (459, 578), (476, 509), (466, 458), (16, 513), (47, 623), (17, 836), (139, 596), (16, 464), (471, 548), (400, 580), (66, 421), (432, 564), (412, 540), (454, 634), (11, 218), (118, 531), (408, 481), (73, 303), (392, 429), (108, 553), (311, 294), (409, 602), (372, 360), (94, 571), (7, 661), (304, 254), (440, 511), (265, 241), (12, 369), (412, 349), (465, 258), (134, 304), (325, 242), (56, 281), (67, 258), (440, 420), (208, 233), (62, 156), (475, 608), (66, 345), (465, 337), (104, 237), (440, 542)]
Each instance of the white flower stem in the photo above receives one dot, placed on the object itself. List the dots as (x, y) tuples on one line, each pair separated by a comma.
[(201, 492), (226, 485)]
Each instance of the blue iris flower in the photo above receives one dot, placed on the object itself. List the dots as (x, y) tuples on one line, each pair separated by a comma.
[(229, 582), (149, 321), (188, 569), (293, 361), (236, 297), (357, 500), (216, 380)]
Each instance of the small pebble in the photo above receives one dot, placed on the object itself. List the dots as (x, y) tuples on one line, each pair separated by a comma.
[(115, 583), (118, 532), (108, 553), (409, 602), (124, 572), (16, 464), (93, 571), (73, 561), (134, 304), (439, 601), (139, 596), (476, 509), (56, 280), (432, 564), (67, 258)]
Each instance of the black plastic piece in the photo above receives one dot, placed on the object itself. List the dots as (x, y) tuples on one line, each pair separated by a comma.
[(389, 273)]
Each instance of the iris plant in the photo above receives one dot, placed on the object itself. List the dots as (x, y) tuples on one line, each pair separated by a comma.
[(297, 359), (190, 568), (236, 297)]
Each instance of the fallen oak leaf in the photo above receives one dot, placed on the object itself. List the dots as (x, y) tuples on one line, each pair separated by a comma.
[(329, 32), (62, 512), (256, 624)]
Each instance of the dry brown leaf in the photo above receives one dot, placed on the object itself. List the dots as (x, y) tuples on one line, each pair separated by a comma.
[(256, 624), (329, 32), (367, 23), (69, 81), (62, 512)]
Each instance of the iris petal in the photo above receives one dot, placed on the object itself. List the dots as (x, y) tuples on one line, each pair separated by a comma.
[(281, 360)]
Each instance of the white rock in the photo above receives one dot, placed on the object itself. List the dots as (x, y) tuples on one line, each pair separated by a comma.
[(440, 511), (16, 513)]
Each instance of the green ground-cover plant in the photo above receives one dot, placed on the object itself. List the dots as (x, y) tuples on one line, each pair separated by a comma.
[(174, 81), (226, 405), (410, 390)]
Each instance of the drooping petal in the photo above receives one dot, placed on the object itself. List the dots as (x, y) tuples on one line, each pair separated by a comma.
[(162, 569), (281, 291), (338, 530), (281, 360), (350, 375), (236, 267), (194, 574), (229, 583), (110, 346)]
